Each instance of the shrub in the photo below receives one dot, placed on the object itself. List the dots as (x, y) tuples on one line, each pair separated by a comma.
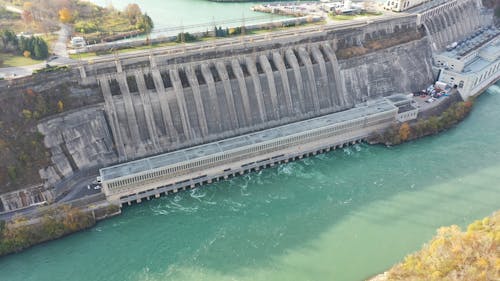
[(17, 234), (86, 27), (403, 132), (455, 255), (185, 37)]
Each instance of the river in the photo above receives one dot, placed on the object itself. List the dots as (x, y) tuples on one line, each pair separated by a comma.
[(173, 16), (344, 215)]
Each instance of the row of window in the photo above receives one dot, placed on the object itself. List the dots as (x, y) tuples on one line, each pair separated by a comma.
[(246, 152), (487, 74)]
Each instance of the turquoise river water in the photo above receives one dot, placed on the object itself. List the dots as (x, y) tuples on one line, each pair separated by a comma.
[(344, 215), (194, 15)]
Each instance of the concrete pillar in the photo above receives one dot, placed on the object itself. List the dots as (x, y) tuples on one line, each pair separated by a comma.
[(212, 93), (226, 82), (280, 65), (83, 73), (340, 92), (292, 60), (109, 106), (118, 65), (181, 103), (129, 107), (165, 109), (157, 195), (310, 80), (250, 63), (195, 87), (148, 110), (238, 72), (324, 89), (266, 66)]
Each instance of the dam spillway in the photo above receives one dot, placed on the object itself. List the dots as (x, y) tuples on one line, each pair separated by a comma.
[(161, 103)]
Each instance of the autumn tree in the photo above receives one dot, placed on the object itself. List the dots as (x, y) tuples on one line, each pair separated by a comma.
[(65, 15), (27, 17), (404, 131), (133, 12), (455, 255), (60, 106)]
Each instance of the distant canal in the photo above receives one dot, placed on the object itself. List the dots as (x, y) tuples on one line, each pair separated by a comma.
[(345, 215)]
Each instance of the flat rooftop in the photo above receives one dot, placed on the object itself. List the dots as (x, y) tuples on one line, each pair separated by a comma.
[(476, 65), (175, 157), (473, 42)]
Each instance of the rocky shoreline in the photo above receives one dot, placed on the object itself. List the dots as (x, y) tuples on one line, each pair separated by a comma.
[(50, 223)]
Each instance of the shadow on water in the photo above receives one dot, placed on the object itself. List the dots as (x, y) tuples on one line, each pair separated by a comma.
[(248, 221)]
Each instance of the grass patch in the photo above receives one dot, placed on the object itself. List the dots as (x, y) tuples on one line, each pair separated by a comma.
[(83, 55), (10, 60)]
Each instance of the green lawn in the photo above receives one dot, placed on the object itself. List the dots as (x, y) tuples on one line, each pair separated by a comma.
[(9, 60)]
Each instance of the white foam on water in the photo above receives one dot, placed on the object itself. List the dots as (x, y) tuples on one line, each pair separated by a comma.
[(197, 194)]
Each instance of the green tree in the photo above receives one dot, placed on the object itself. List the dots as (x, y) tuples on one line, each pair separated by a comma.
[(40, 48), (185, 37), (145, 23)]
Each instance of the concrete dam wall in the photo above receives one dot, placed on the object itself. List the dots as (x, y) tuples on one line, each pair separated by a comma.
[(164, 103), (454, 21)]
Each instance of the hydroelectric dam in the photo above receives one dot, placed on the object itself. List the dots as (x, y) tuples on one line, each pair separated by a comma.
[(166, 119)]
